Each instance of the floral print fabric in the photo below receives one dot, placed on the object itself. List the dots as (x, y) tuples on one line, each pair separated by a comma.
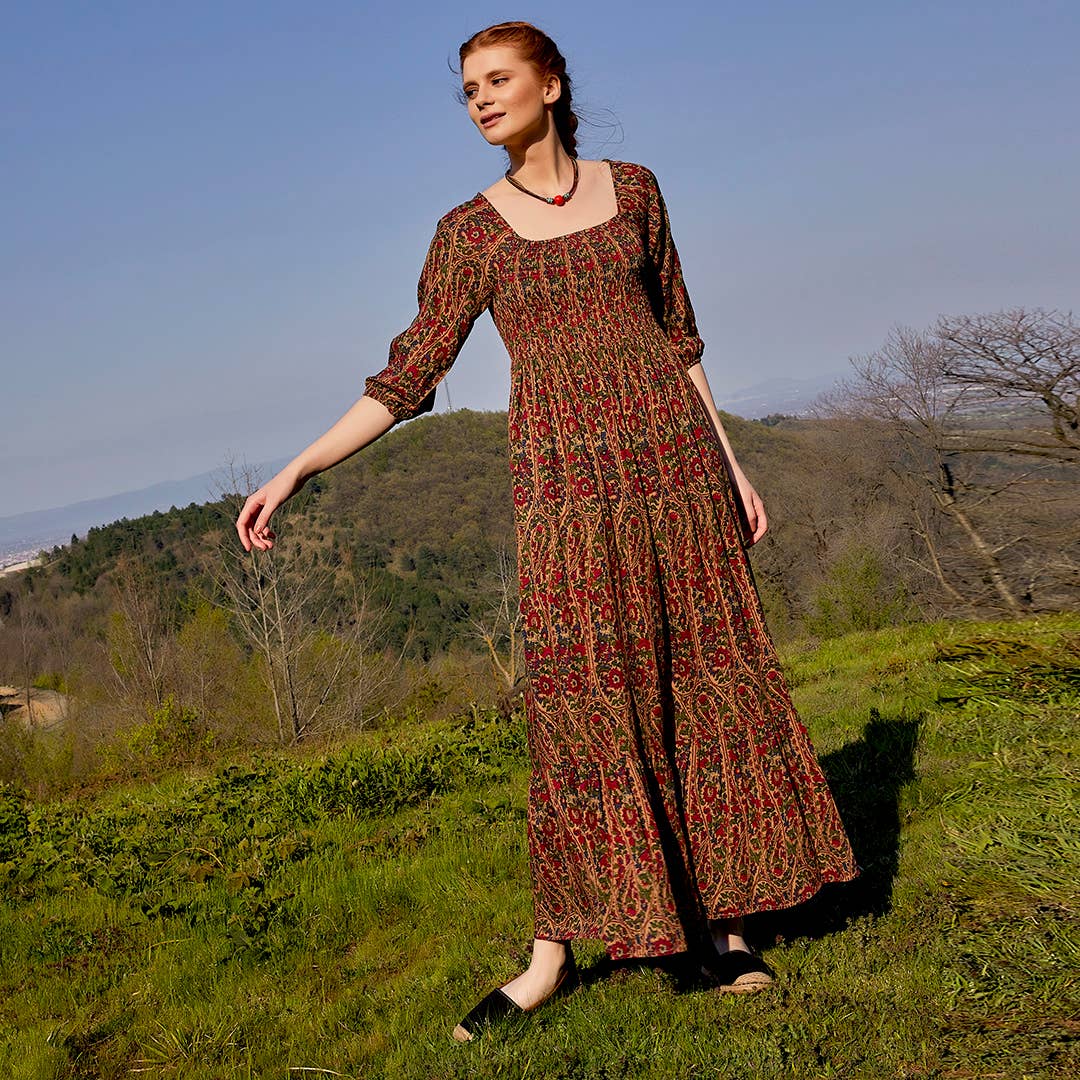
[(672, 779)]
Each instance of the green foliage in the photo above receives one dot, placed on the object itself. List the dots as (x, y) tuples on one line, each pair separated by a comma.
[(378, 782), (52, 680), (420, 515), (857, 594), (14, 822), (37, 762), (773, 419), (171, 731), (237, 823), (159, 535)]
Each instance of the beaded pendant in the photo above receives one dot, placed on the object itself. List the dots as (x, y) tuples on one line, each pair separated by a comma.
[(552, 200)]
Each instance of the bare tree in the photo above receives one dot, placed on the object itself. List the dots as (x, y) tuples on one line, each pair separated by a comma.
[(904, 385), (499, 626), (1020, 357), (27, 627), (319, 676), (361, 631), (138, 637)]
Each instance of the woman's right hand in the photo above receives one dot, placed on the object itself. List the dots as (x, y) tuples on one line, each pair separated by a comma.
[(253, 522), (365, 421)]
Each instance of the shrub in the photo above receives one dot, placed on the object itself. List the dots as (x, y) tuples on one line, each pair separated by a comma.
[(857, 594)]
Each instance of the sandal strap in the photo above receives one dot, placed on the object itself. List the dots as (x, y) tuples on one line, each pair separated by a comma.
[(729, 966), (492, 1007), (498, 1004)]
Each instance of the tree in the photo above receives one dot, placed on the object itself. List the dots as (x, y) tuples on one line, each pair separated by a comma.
[(29, 634), (904, 385), (208, 660), (138, 635), (1019, 357), (499, 626), (319, 675)]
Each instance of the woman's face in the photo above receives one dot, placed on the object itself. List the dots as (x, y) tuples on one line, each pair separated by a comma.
[(505, 95)]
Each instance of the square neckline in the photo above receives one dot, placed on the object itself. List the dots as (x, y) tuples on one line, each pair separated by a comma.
[(562, 236)]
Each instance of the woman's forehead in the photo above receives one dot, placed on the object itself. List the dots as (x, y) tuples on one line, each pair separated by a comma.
[(483, 61)]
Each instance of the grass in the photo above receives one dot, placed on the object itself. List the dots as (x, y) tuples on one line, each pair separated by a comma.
[(301, 919)]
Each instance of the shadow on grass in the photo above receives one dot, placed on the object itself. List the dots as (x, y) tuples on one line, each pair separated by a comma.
[(866, 778)]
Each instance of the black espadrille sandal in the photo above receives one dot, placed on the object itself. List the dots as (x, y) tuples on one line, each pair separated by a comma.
[(738, 972), (497, 1005)]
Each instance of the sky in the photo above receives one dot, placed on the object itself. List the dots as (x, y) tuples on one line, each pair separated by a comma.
[(213, 215)]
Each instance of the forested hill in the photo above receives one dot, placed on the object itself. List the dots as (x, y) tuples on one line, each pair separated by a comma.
[(861, 531), (424, 512)]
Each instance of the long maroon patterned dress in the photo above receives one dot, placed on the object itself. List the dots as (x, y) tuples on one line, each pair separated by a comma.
[(671, 778)]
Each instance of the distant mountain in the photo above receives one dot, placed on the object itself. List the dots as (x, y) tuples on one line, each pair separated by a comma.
[(22, 536), (779, 395)]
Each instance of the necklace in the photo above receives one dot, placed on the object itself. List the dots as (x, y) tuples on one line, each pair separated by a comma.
[(557, 200)]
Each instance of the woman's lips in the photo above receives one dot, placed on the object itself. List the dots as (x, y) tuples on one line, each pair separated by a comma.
[(489, 120)]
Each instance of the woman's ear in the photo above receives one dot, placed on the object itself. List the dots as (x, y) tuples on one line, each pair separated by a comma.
[(552, 89)]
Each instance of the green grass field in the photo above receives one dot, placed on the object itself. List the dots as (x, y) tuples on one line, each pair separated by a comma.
[(289, 917)]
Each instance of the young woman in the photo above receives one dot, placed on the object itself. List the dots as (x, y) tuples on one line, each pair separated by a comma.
[(673, 788)]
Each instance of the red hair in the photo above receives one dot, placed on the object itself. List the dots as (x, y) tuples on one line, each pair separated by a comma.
[(540, 51)]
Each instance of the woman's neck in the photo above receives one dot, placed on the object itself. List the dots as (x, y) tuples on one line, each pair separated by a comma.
[(542, 166)]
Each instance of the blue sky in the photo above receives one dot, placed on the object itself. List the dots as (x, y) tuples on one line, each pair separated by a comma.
[(214, 214)]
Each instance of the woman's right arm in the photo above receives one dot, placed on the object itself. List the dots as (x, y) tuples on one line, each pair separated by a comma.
[(359, 427), (453, 289)]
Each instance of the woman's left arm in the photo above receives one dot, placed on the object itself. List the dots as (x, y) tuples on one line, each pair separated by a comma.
[(751, 501), (675, 313)]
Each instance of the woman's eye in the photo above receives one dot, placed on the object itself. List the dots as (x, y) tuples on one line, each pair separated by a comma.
[(498, 79)]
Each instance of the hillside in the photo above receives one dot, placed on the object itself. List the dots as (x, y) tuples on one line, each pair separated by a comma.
[(334, 915), (422, 512), (393, 586), (857, 537)]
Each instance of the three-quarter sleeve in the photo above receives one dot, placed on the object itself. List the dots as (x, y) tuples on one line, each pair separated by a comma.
[(667, 290), (453, 290)]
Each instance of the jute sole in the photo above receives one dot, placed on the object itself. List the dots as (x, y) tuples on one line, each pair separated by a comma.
[(738, 973), (744, 984)]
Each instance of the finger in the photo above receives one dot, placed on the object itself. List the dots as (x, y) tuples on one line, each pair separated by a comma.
[(256, 522), (762, 521), (243, 520), (751, 514), (262, 522), (262, 532)]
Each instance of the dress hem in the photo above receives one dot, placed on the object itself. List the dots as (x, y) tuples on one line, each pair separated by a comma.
[(619, 950)]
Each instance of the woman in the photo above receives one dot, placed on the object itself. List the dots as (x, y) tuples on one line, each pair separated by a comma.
[(673, 788)]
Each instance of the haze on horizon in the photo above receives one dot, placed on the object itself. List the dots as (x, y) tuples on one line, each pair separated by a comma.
[(215, 215)]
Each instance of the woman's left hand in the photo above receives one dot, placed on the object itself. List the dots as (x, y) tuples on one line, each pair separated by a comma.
[(754, 509)]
